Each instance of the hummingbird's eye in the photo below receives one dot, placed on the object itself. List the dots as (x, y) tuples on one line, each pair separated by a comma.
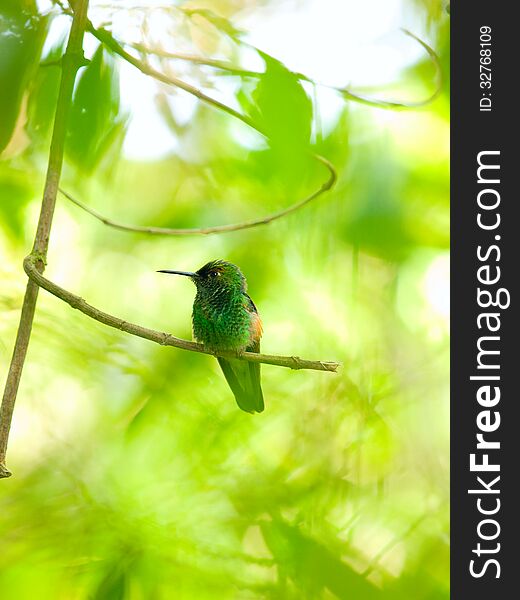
[(214, 273)]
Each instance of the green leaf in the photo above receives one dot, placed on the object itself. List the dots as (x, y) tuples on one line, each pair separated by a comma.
[(378, 223), (95, 118), (22, 33), (44, 94), (283, 109), (15, 193)]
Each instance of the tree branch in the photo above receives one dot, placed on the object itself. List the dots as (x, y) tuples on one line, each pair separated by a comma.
[(164, 339), (204, 61), (327, 185), (345, 92), (106, 38), (72, 60), (395, 105)]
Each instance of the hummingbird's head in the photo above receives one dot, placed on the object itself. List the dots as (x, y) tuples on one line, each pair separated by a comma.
[(216, 276)]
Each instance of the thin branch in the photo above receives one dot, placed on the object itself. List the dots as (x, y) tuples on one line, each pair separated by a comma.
[(165, 339), (221, 65), (345, 92), (72, 60), (327, 185), (395, 105), (106, 38)]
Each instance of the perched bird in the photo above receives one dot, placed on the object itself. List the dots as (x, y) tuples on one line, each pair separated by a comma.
[(225, 318)]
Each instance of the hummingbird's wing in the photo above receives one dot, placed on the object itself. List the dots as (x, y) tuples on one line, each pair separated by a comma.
[(242, 376)]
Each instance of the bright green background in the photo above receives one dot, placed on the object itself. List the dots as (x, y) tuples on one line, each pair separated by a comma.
[(135, 474)]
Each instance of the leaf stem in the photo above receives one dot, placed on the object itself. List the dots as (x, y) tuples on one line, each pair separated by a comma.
[(106, 38)]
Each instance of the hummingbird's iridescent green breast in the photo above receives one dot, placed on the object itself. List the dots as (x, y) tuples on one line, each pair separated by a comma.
[(224, 316)]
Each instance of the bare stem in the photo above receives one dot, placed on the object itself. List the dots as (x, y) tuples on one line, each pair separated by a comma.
[(398, 105), (327, 185), (106, 38), (72, 60), (165, 339), (348, 94), (204, 61)]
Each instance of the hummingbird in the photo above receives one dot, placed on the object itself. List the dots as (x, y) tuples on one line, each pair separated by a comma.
[(225, 318)]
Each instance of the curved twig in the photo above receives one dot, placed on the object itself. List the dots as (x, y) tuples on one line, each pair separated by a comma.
[(106, 38), (327, 185), (390, 104), (204, 61), (345, 92), (165, 339)]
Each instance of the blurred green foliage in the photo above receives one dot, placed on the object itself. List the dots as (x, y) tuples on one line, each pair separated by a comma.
[(136, 476), (284, 109), (22, 33), (96, 124)]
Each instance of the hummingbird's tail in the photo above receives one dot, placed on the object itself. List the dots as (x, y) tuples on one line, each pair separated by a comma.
[(244, 380)]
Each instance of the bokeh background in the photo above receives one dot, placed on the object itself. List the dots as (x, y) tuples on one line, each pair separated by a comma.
[(135, 474)]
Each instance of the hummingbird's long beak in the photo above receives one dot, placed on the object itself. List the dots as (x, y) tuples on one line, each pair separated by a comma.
[(186, 273)]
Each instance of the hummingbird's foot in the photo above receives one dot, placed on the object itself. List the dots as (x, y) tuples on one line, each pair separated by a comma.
[(240, 352)]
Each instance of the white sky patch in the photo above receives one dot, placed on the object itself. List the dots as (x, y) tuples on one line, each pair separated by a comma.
[(436, 286), (148, 137), (423, 298), (335, 41)]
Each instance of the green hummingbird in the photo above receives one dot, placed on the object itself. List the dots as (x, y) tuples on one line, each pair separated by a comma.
[(225, 318)]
